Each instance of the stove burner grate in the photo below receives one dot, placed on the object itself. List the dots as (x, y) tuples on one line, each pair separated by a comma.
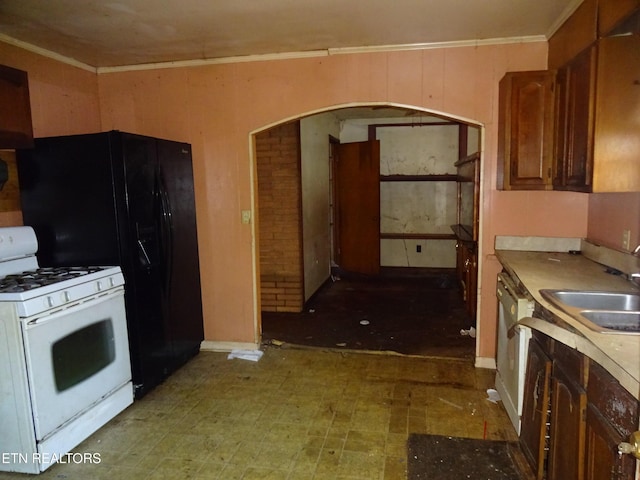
[(21, 282)]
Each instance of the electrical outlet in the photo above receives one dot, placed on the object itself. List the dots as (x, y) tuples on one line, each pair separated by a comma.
[(626, 239), (418, 248), (246, 216)]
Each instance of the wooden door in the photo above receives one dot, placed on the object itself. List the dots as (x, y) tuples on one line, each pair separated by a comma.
[(357, 188)]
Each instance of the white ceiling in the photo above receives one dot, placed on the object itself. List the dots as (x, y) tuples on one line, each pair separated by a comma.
[(103, 33)]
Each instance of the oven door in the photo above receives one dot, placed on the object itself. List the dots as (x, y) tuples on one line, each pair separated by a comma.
[(75, 357)]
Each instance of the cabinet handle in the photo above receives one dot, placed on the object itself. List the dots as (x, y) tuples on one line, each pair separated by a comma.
[(632, 446)]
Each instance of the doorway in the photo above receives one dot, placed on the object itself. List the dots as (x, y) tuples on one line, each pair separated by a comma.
[(322, 277)]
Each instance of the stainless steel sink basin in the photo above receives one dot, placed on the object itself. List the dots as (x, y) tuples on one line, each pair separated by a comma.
[(604, 312), (588, 300), (623, 322)]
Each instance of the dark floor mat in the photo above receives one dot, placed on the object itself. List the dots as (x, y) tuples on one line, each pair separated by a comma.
[(408, 315), (435, 457)]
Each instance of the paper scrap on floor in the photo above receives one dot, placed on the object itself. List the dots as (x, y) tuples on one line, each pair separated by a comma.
[(252, 355), (471, 332), (493, 395)]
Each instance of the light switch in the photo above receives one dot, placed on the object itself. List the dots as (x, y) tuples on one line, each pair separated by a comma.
[(246, 216)]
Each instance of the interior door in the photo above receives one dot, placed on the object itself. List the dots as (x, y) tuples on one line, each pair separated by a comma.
[(357, 182)]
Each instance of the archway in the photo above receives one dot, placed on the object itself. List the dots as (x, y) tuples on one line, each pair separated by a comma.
[(292, 194)]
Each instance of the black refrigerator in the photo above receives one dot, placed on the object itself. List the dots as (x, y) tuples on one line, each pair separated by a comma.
[(116, 198)]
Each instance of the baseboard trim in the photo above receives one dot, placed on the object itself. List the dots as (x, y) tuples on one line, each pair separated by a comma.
[(213, 346), (486, 362)]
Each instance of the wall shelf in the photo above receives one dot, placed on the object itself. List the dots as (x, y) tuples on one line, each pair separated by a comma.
[(419, 178), (417, 236)]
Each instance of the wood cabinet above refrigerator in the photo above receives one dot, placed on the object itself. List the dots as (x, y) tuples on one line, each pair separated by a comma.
[(16, 130)]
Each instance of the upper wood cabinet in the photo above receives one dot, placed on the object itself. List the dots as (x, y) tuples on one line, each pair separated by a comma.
[(616, 144), (597, 99), (578, 32), (16, 130), (573, 152), (611, 13), (525, 130)]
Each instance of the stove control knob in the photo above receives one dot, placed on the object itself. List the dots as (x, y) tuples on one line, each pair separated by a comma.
[(99, 285), (66, 297), (50, 301)]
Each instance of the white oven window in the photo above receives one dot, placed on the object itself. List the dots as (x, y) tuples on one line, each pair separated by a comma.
[(82, 354)]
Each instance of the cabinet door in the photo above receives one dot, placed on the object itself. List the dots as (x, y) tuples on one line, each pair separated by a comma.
[(15, 109), (567, 428), (471, 272), (602, 461), (525, 132), (535, 409), (576, 33), (467, 270), (616, 139), (574, 124), (612, 12)]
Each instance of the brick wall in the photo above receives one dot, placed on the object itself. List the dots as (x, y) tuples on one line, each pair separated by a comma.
[(280, 218)]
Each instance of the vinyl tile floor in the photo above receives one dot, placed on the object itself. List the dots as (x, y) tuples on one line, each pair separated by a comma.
[(295, 414)]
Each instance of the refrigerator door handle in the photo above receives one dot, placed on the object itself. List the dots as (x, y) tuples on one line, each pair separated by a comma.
[(166, 229), (144, 256)]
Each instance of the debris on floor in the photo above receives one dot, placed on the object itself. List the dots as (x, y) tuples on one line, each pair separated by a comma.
[(450, 403), (493, 395), (471, 332), (252, 355), (408, 315)]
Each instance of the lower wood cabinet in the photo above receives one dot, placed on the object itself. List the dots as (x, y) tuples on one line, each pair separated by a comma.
[(535, 408), (467, 271), (602, 460), (574, 416), (567, 427)]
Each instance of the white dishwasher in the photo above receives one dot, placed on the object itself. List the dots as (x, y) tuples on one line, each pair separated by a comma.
[(513, 345)]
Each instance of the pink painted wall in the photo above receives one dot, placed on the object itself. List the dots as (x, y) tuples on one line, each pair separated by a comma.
[(610, 214), (216, 107)]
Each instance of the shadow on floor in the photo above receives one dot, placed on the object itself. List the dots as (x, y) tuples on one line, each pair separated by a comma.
[(415, 314)]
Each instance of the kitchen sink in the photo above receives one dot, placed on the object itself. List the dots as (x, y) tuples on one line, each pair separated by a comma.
[(588, 300), (622, 322), (602, 311)]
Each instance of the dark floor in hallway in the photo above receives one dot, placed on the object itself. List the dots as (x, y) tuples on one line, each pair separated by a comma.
[(416, 314)]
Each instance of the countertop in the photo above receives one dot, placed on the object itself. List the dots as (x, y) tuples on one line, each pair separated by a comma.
[(619, 354)]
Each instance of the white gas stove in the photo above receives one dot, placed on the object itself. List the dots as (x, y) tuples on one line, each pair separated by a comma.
[(64, 354)]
